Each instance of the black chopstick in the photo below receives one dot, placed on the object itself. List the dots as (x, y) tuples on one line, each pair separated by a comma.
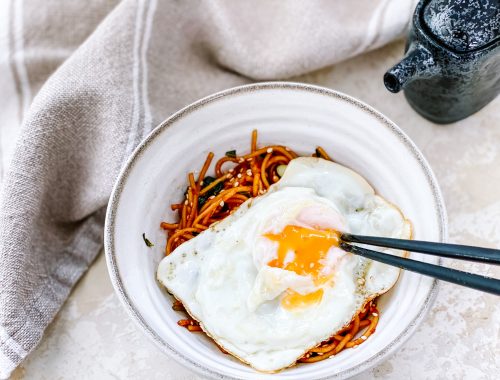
[(454, 251), (475, 281)]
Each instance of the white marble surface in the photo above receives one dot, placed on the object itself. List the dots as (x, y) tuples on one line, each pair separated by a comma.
[(92, 337)]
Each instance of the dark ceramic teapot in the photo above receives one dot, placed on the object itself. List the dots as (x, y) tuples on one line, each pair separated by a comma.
[(452, 63)]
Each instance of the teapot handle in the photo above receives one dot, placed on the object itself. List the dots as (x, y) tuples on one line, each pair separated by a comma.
[(417, 63)]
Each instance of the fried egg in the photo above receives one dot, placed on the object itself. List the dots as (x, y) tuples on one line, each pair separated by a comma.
[(269, 282)]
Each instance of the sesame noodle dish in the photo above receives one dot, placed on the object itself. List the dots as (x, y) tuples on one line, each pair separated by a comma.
[(253, 258)]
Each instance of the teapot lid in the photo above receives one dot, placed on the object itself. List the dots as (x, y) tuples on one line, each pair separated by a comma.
[(463, 25)]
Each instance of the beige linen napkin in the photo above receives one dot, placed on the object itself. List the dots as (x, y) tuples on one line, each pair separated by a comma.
[(90, 79)]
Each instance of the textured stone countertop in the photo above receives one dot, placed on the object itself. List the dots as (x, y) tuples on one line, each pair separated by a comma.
[(93, 338)]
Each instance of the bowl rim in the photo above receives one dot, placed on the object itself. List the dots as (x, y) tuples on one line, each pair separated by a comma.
[(114, 200)]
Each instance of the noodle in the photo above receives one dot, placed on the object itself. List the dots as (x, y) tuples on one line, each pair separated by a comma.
[(169, 226), (208, 200), (204, 169), (254, 141)]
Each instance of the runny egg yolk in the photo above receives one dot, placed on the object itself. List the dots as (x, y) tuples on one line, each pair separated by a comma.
[(303, 250)]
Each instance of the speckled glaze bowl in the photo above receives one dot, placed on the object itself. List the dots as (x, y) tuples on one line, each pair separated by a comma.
[(302, 117)]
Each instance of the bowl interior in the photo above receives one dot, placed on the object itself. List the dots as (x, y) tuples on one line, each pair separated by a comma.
[(301, 117)]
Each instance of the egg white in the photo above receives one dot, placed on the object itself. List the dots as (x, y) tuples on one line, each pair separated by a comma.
[(223, 281)]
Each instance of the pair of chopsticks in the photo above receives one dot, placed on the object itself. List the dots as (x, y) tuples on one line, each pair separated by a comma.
[(454, 251)]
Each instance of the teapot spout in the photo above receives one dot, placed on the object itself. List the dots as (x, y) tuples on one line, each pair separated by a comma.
[(418, 63)]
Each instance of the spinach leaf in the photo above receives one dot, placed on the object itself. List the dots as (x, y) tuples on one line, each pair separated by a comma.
[(213, 191)]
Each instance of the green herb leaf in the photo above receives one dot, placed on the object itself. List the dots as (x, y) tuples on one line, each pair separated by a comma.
[(213, 191), (231, 153), (202, 199), (147, 241), (207, 181)]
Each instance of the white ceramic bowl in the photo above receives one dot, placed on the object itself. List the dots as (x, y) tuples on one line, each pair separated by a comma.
[(301, 117)]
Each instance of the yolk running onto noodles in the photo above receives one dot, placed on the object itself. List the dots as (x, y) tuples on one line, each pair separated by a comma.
[(309, 247)]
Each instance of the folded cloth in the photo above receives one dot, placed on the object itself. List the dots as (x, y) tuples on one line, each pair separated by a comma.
[(90, 79)]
